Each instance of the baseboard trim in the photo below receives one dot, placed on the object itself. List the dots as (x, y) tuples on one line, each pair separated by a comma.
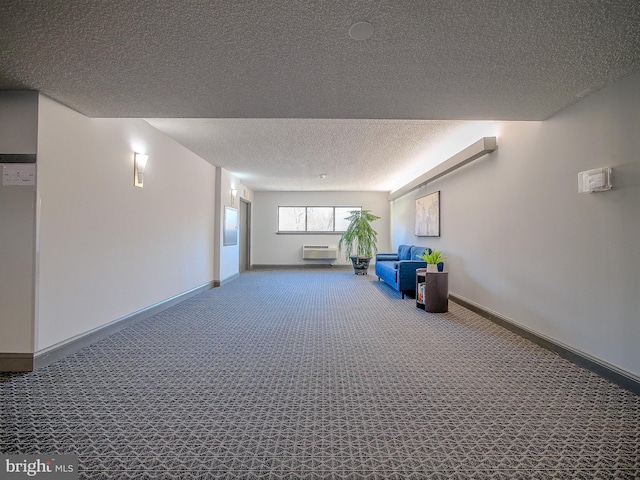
[(63, 349), (16, 362), (297, 265), (609, 372), (229, 279)]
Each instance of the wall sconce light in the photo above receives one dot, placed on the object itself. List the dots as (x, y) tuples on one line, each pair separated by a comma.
[(475, 150), (139, 164), (234, 192)]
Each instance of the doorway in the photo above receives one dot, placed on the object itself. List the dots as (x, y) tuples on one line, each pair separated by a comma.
[(244, 236)]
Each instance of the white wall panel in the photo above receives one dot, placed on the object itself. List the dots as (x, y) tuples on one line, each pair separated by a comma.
[(18, 134), (524, 243), (109, 249), (271, 248)]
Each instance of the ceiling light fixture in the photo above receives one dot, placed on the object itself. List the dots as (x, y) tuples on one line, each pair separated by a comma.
[(361, 30), (476, 150), (323, 176)]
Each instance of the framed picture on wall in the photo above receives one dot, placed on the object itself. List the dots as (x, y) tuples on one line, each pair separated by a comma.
[(230, 233), (428, 215)]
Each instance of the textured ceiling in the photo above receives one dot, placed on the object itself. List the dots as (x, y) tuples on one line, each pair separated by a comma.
[(293, 59), (291, 154)]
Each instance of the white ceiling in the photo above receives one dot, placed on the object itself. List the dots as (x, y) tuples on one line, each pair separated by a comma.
[(278, 93)]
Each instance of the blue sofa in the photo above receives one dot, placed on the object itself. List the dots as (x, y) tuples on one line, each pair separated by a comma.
[(399, 269)]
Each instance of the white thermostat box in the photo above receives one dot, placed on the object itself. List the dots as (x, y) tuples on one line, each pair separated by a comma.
[(596, 180), (19, 174)]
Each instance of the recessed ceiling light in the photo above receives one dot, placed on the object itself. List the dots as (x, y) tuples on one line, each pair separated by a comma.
[(361, 31), (323, 176)]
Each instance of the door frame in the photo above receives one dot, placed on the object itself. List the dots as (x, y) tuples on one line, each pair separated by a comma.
[(244, 240)]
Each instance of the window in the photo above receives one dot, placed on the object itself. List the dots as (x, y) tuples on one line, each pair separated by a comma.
[(341, 215), (292, 219), (320, 219), (313, 219)]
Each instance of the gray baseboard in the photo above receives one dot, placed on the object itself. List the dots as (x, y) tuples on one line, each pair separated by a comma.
[(619, 377), (16, 362), (27, 362), (298, 265), (228, 279)]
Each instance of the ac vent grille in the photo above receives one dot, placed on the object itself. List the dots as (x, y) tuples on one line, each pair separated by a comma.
[(314, 252)]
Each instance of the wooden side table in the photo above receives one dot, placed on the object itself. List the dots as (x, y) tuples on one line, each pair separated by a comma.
[(432, 291)]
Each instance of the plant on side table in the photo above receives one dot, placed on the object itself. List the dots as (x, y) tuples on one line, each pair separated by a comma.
[(432, 260), (359, 240)]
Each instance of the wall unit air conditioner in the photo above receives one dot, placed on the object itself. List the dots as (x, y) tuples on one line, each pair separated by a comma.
[(314, 252)]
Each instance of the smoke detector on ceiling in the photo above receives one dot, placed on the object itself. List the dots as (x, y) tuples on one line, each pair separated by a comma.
[(361, 30)]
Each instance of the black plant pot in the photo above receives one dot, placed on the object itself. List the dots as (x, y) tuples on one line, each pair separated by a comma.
[(360, 264)]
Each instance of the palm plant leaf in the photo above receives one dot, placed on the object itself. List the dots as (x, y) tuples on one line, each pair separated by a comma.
[(359, 238)]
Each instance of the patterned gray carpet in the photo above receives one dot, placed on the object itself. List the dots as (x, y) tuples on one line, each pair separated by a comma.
[(321, 374)]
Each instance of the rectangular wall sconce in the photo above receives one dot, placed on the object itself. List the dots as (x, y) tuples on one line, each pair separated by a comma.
[(139, 165), (234, 193)]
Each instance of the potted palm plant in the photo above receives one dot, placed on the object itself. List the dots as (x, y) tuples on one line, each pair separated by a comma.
[(432, 259), (359, 240)]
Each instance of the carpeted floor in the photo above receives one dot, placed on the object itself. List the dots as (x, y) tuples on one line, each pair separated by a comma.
[(320, 374)]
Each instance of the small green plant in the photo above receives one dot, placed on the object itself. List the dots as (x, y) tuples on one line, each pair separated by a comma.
[(359, 238), (433, 258)]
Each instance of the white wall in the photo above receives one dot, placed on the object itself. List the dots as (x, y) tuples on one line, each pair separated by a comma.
[(107, 248), (19, 122), (523, 243), (18, 134), (229, 254), (271, 248)]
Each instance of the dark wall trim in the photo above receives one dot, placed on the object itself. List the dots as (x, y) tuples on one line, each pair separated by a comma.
[(298, 265), (17, 158), (229, 279), (72, 346), (609, 372), (16, 362)]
